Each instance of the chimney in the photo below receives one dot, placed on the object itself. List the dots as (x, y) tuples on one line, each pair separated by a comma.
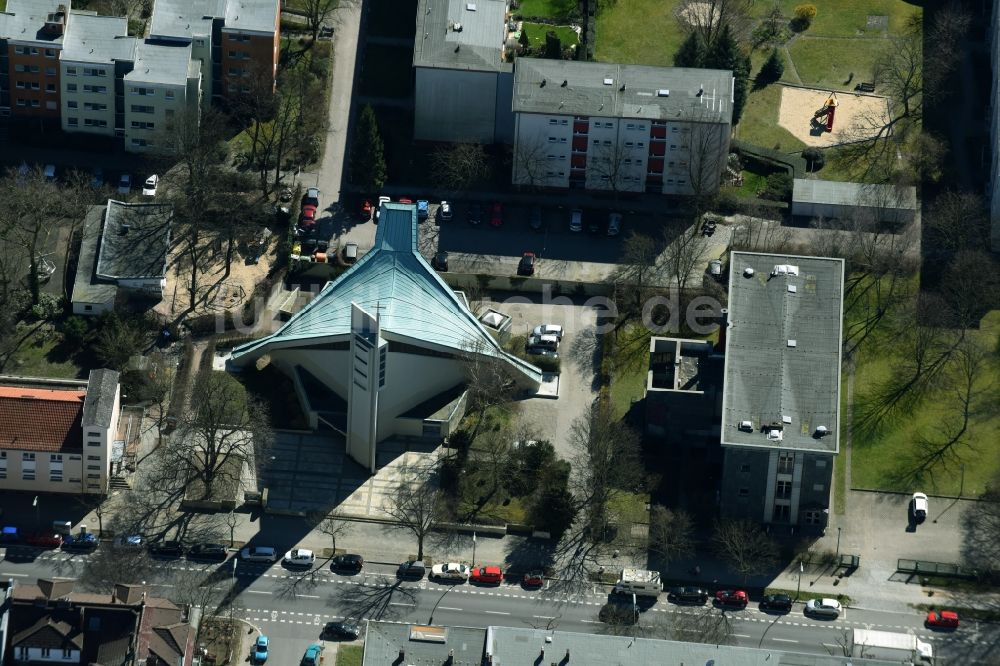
[(720, 346), (55, 23)]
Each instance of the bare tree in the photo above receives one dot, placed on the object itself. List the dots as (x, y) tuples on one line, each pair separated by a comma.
[(415, 505), (32, 209), (671, 533), (461, 165), (115, 563), (948, 26), (981, 531), (333, 526), (610, 166), (320, 12), (222, 434), (637, 272), (489, 382), (745, 547), (706, 160), (531, 164), (706, 625), (684, 253), (757, 234), (707, 18)]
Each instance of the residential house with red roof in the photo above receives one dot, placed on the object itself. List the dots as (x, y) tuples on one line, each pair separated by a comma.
[(57, 436)]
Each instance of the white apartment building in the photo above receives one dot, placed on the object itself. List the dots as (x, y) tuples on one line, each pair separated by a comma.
[(56, 435), (622, 128), (164, 83), (94, 49)]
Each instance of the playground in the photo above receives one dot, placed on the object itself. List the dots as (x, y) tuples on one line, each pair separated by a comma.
[(823, 118)]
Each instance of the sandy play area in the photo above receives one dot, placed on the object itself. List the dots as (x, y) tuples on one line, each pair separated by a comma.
[(854, 111)]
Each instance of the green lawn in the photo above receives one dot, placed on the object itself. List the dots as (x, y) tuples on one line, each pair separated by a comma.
[(827, 63), (641, 32), (759, 124), (881, 460), (537, 31), (38, 354), (546, 8), (629, 364), (846, 18), (350, 655)]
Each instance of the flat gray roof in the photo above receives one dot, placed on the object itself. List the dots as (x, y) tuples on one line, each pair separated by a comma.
[(622, 91), (98, 39), (783, 351), (252, 15), (23, 20), (422, 644), (98, 406), (460, 34), (138, 251), (86, 286), (517, 646), (180, 19), (854, 194), (164, 64)]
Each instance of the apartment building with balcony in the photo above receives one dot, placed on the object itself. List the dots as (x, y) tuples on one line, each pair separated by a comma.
[(620, 128), (31, 38), (56, 435), (164, 84)]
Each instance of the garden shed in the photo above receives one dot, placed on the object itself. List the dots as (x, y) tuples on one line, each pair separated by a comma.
[(835, 200)]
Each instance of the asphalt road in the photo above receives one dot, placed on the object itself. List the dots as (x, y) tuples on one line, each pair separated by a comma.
[(291, 607)]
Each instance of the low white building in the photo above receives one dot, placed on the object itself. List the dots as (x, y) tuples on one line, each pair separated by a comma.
[(827, 199), (124, 247), (620, 128), (56, 435)]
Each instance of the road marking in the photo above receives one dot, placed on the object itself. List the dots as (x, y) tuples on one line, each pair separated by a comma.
[(399, 603), (257, 592), (590, 621), (748, 636), (449, 608), (497, 612), (16, 575), (785, 640), (543, 617), (307, 596)]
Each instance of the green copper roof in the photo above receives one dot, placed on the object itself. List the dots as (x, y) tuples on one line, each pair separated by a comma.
[(394, 281)]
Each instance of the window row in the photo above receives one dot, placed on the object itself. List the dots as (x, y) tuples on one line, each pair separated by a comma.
[(87, 71), (31, 50), (239, 55), (34, 69), (34, 85), (87, 122), (558, 121)]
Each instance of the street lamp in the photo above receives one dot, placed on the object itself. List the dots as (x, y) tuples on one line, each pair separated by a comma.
[(38, 520), (798, 587), (473, 549), (838, 544)]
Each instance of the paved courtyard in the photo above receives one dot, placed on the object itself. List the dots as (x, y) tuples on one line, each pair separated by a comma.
[(311, 472)]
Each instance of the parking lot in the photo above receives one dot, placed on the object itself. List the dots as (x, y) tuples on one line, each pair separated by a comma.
[(551, 419)]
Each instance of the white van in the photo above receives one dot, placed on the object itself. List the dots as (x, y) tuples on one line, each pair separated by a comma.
[(639, 582)]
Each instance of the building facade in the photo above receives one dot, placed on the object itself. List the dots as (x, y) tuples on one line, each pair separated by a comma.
[(620, 128), (57, 434), (84, 71)]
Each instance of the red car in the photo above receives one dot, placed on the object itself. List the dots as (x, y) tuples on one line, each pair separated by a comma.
[(732, 598), (533, 579), (496, 218), (366, 210), (308, 212), (943, 619), (406, 200), (491, 575), (44, 540)]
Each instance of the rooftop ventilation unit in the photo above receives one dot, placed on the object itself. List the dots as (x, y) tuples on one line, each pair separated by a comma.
[(663, 92), (785, 269), (792, 289), (471, 6), (748, 272), (622, 89), (746, 426), (792, 343), (542, 84), (565, 83), (775, 433), (786, 419), (701, 90), (457, 27), (609, 82)]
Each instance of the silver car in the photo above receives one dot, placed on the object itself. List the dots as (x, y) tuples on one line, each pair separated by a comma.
[(614, 224), (824, 608)]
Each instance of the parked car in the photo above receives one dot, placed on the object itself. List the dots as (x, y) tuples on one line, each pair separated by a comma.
[(687, 595), (527, 264), (348, 562), (444, 212), (166, 548), (440, 261), (490, 575), (259, 554), (350, 253), (208, 551), (736, 598), (9, 534), (311, 197), (576, 220), (44, 540), (405, 200), (80, 541), (451, 571), (549, 329), (130, 542), (475, 214), (299, 557), (549, 342), (149, 187), (125, 184), (312, 656), (776, 602), (423, 209), (97, 180), (823, 608), (535, 578), (496, 216), (49, 172), (411, 569), (541, 351), (348, 630), (535, 217), (378, 211), (614, 224), (259, 655), (593, 225), (942, 619), (919, 504)]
